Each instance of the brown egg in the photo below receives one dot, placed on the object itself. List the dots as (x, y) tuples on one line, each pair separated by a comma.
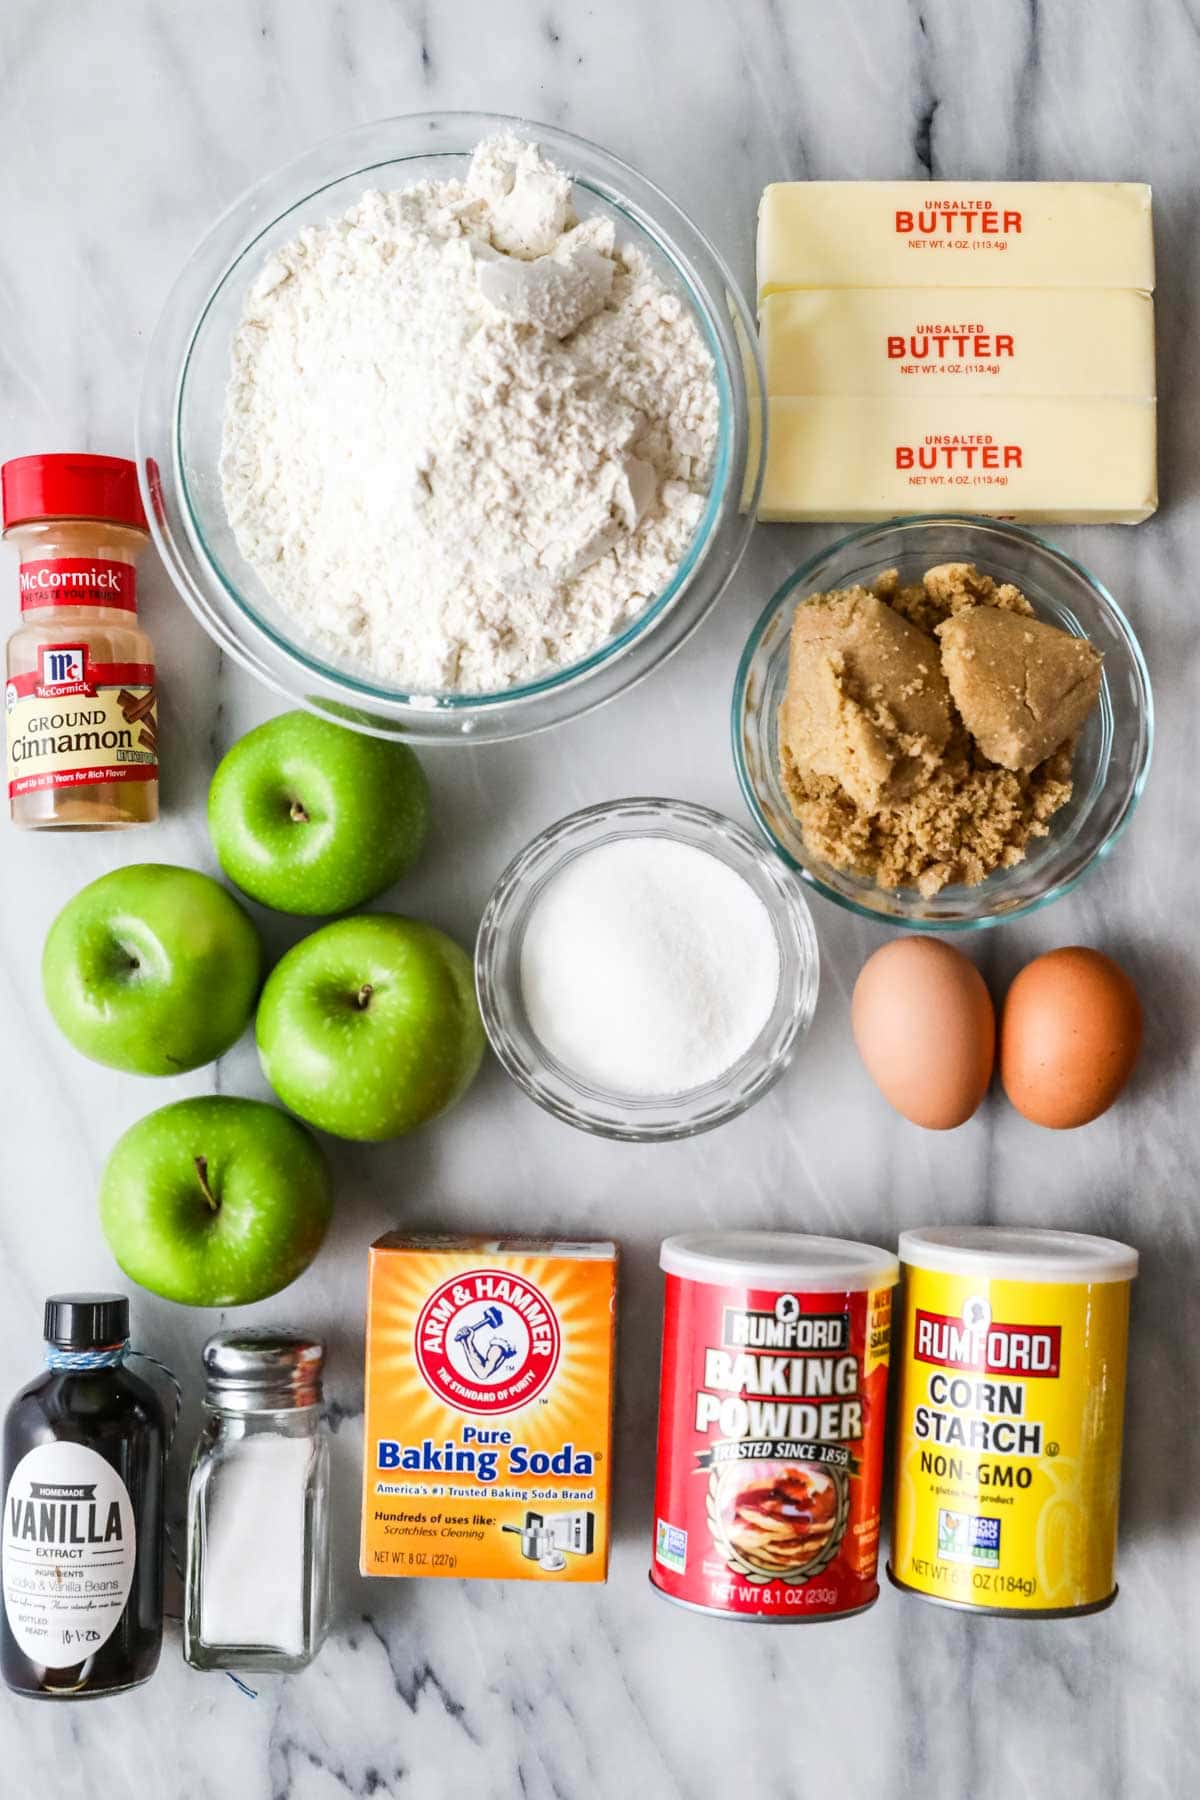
[(925, 1028), (1070, 1034)]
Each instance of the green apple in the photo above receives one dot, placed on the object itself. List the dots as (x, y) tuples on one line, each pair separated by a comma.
[(370, 1026), (152, 969), (308, 817), (216, 1201)]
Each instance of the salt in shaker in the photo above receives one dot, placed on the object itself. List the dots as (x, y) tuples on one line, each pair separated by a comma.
[(258, 1506)]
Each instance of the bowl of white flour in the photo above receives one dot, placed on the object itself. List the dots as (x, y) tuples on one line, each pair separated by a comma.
[(452, 428)]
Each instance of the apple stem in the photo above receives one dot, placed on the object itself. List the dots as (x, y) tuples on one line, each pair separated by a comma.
[(201, 1163), (363, 997), (298, 814)]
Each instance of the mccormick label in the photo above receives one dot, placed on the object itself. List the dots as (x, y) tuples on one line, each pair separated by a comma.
[(70, 1546), (770, 1449), (72, 722), (489, 1391), (1008, 1459), (78, 581)]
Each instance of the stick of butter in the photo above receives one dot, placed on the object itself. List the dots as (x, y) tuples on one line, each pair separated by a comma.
[(1089, 461), (914, 342), (1079, 234)]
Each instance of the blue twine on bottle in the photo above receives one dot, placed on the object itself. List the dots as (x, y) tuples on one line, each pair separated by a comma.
[(111, 1357), (86, 1359), (81, 1362)]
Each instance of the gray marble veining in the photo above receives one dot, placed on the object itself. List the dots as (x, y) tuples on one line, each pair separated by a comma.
[(124, 130)]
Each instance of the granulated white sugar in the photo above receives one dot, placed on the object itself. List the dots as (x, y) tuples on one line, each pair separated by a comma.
[(648, 967)]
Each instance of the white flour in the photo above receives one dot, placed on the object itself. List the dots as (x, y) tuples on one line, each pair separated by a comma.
[(467, 438)]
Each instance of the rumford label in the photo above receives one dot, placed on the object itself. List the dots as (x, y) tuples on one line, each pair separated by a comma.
[(72, 722), (489, 1389), (78, 581), (976, 1341), (770, 1448), (69, 1553), (1008, 1458)]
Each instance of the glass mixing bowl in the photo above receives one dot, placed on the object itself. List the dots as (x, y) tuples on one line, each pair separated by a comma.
[(182, 402), (1111, 761), (498, 973)]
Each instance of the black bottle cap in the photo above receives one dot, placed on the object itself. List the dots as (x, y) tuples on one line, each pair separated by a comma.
[(86, 1321)]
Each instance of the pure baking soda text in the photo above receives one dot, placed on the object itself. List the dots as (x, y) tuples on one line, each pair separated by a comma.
[(489, 1391)]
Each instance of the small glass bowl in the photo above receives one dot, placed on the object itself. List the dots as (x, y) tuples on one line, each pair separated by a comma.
[(1112, 758), (498, 973), (181, 413)]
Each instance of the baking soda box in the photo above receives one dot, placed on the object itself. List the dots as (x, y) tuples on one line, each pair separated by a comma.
[(489, 1398)]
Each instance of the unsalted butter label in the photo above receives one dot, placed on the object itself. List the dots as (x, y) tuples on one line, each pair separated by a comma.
[(858, 459), (70, 1546), (1078, 234), (958, 347), (909, 342)]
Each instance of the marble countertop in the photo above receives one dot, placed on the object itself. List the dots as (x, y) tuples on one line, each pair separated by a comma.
[(125, 130)]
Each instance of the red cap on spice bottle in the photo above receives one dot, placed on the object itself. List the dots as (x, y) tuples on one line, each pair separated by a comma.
[(71, 487)]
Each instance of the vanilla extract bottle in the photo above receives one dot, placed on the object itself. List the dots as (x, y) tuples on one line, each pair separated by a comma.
[(81, 1542)]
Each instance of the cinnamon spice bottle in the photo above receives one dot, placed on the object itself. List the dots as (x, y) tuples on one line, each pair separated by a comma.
[(80, 698)]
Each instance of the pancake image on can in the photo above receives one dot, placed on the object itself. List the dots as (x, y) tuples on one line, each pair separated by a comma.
[(1010, 1418), (778, 1520), (771, 1424)]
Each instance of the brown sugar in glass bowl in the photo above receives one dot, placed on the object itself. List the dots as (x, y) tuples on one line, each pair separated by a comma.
[(80, 696), (1112, 753)]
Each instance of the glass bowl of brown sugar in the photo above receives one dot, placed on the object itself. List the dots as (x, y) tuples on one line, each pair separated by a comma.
[(1112, 752)]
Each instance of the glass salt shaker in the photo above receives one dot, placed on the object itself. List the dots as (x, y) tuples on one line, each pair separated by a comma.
[(257, 1586)]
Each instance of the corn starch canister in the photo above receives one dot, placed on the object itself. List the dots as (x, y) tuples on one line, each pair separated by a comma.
[(1012, 1391), (771, 1424)]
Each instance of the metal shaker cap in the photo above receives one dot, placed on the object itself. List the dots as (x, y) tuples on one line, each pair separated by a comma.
[(262, 1368)]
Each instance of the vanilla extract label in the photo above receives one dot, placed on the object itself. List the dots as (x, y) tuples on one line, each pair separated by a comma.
[(70, 1546)]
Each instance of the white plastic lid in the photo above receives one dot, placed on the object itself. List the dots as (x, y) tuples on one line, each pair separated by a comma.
[(787, 1260), (1018, 1253)]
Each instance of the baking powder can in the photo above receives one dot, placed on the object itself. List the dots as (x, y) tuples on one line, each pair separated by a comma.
[(1012, 1395), (771, 1424)]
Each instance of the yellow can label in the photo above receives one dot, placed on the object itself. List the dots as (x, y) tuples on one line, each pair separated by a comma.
[(1008, 1456)]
